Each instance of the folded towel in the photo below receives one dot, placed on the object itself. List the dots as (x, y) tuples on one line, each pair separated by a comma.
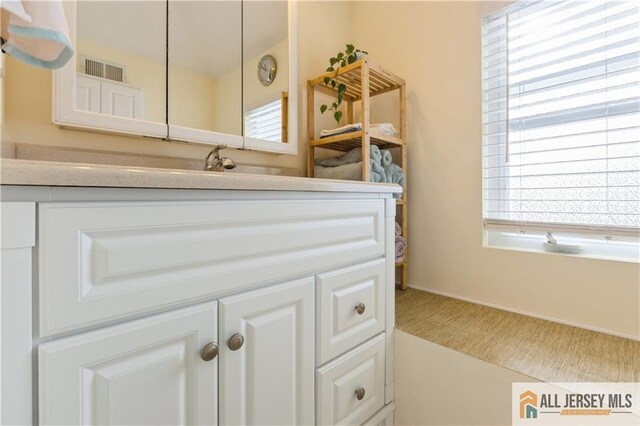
[(350, 157), (350, 171), (386, 158), (37, 33), (401, 247), (398, 230), (383, 129), (340, 130)]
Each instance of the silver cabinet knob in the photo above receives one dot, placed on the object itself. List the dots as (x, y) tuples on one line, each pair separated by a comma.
[(360, 393), (235, 342), (209, 351), (360, 308)]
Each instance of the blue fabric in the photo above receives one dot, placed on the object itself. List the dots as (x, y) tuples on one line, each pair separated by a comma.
[(39, 33)]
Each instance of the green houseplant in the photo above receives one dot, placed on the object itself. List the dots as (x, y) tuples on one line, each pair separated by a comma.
[(342, 59)]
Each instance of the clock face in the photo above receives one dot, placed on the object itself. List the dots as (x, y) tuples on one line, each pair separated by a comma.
[(267, 69)]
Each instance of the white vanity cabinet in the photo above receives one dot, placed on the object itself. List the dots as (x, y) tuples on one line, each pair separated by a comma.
[(196, 307)]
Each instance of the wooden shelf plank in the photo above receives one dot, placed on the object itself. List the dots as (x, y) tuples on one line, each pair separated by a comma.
[(348, 141), (381, 81)]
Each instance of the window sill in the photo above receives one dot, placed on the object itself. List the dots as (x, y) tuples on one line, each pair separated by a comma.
[(628, 254)]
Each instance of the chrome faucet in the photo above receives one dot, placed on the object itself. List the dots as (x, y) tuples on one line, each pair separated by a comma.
[(214, 163)]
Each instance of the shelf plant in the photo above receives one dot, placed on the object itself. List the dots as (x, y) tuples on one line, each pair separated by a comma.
[(341, 59)]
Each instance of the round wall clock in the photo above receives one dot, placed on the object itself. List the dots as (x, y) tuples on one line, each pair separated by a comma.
[(267, 69)]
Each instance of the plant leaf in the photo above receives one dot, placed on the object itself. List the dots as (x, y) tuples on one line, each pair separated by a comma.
[(323, 108), (343, 64), (340, 98), (350, 48), (337, 115), (326, 80), (333, 84), (342, 88), (335, 105), (330, 69), (351, 59), (340, 56)]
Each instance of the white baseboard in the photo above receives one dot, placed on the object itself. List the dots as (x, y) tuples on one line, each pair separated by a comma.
[(528, 314)]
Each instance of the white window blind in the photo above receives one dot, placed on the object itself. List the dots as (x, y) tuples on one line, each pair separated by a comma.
[(561, 118), (265, 122)]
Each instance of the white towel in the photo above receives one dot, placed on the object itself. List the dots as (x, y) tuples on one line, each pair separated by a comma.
[(383, 129), (37, 32), (340, 130)]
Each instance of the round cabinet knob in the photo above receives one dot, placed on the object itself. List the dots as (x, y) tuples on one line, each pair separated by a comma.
[(235, 342), (360, 308), (209, 352), (360, 393)]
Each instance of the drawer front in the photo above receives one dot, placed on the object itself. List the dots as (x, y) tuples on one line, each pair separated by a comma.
[(106, 261), (350, 308), (337, 384)]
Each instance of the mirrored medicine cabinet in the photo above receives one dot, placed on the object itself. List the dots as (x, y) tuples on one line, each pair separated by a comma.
[(207, 72)]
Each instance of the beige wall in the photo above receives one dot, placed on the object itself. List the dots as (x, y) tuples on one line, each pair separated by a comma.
[(435, 46), (27, 92)]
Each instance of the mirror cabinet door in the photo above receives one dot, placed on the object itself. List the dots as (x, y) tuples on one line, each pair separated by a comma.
[(266, 76), (117, 81), (205, 71)]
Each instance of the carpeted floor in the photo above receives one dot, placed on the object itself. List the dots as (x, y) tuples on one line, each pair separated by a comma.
[(544, 350)]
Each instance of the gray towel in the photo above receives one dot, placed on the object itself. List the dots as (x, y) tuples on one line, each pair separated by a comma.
[(350, 171), (386, 158), (394, 174), (350, 157)]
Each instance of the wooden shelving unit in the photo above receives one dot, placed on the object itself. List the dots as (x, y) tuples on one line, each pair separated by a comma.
[(364, 80)]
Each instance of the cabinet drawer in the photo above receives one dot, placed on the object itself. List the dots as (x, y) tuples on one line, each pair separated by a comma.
[(350, 308), (338, 382), (106, 261)]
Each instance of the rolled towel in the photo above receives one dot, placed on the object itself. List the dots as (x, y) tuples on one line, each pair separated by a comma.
[(394, 174), (386, 158), (401, 247), (350, 157), (398, 230), (352, 171)]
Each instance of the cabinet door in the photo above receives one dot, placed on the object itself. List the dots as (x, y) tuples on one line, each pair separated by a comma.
[(121, 100), (147, 371), (205, 71), (88, 94), (269, 379)]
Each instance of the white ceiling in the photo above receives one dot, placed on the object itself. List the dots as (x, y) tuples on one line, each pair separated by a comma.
[(204, 35)]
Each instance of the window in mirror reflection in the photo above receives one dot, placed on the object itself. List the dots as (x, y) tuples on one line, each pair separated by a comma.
[(265, 122), (121, 58)]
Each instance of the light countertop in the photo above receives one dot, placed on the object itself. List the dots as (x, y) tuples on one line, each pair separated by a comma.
[(45, 173)]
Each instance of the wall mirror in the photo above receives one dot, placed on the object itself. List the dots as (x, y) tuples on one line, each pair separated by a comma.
[(116, 80), (266, 78), (205, 71), (226, 74)]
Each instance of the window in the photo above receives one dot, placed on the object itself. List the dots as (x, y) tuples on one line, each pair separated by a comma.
[(561, 127), (265, 122)]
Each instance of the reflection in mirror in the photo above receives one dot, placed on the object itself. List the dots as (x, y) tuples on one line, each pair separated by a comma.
[(205, 80), (121, 58), (266, 69)]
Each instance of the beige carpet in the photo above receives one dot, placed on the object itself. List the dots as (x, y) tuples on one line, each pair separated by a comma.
[(544, 350)]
